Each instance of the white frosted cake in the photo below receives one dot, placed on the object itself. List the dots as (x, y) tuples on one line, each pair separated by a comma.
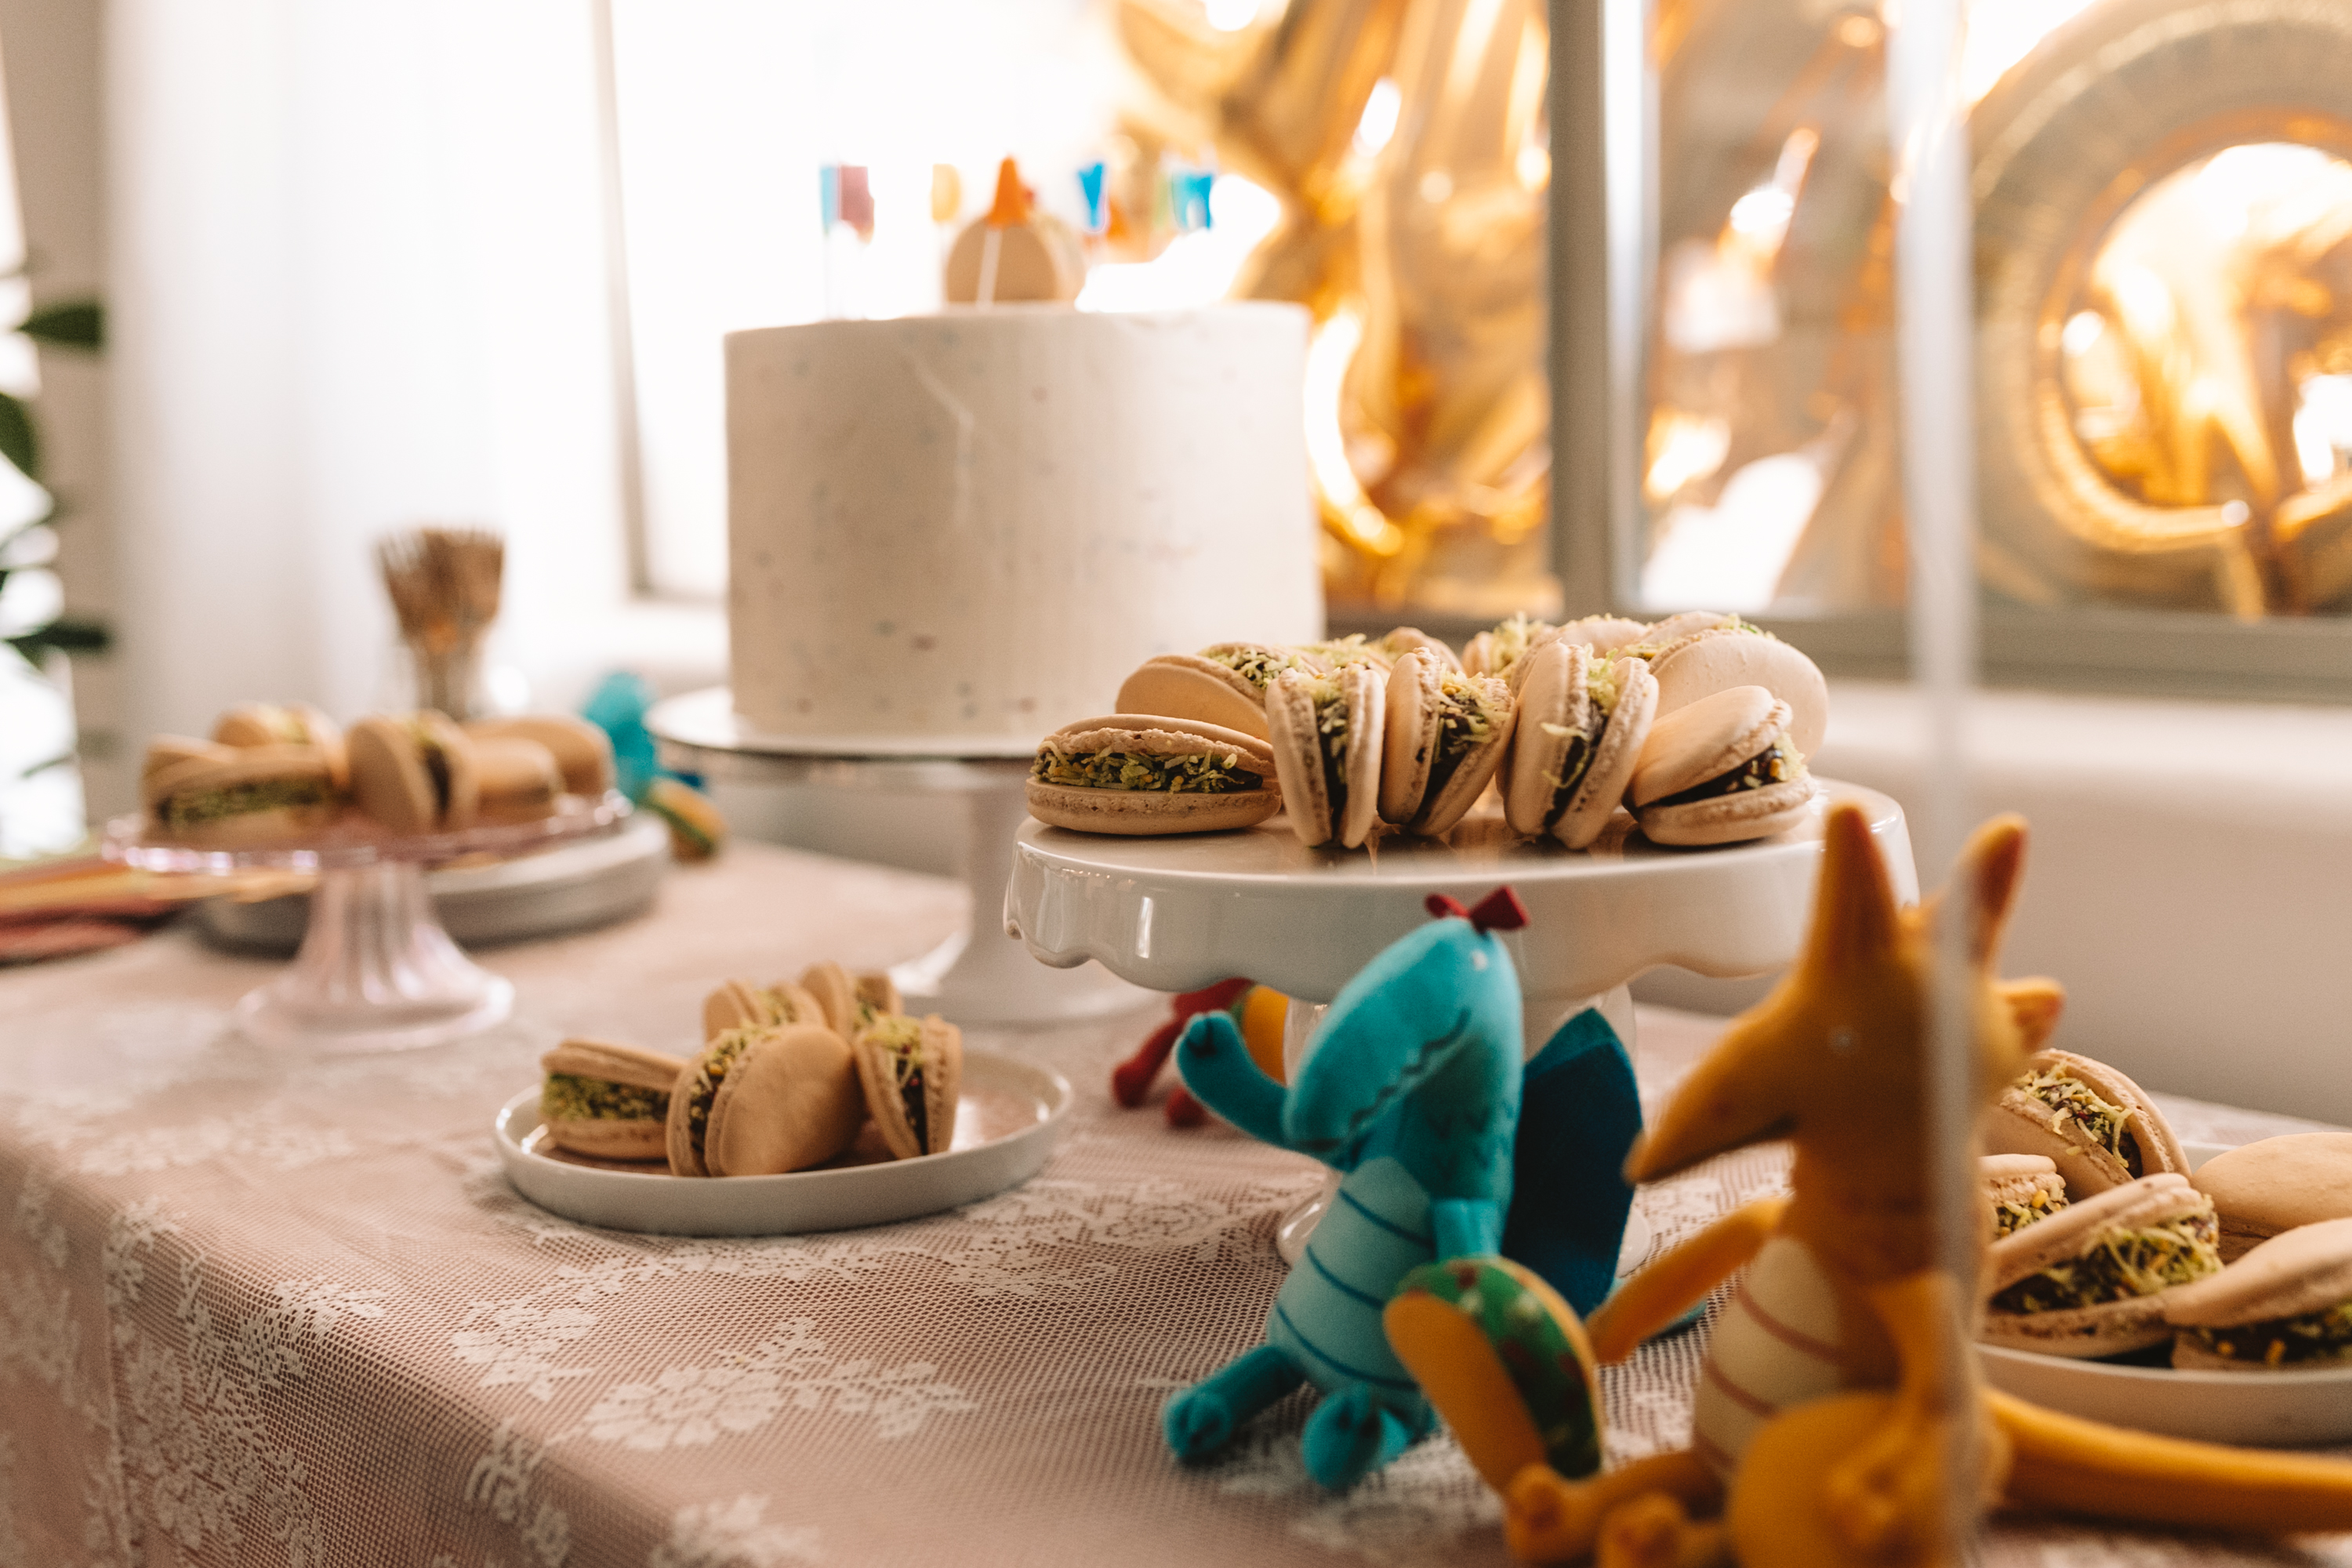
[(970, 527)]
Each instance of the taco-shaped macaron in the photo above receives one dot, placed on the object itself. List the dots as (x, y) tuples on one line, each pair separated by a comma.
[(1581, 727), (1495, 652), (764, 1100), (1140, 775), (2265, 1188), (1336, 653), (515, 780), (2285, 1305), (413, 772), (912, 1072), (849, 1002), (285, 724), (583, 751), (1603, 634), (2098, 1125), (1223, 684), (1703, 662), (738, 1005), (1720, 771), (234, 797), (1507, 1363), (1443, 736), (608, 1101), (1325, 734), (2091, 1279), (2019, 1190), (1401, 640)]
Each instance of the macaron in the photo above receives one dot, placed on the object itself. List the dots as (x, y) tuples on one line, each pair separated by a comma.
[(1141, 775), (1702, 663), (413, 772), (849, 1002), (583, 751), (1720, 771), (1443, 736), (515, 780), (1403, 640), (2277, 1184), (234, 797), (1326, 733), (1582, 726), (1335, 653), (764, 1100), (912, 1070), (608, 1101), (1603, 634), (285, 725), (695, 828), (1223, 684), (2099, 1126), (2021, 1189), (738, 1005), (2091, 1280), (1689, 623), (1494, 652), (2286, 1305), (1505, 1361)]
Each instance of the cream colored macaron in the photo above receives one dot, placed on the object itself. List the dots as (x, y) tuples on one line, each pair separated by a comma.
[(2272, 1186), (2091, 1279), (606, 1101), (1581, 729), (912, 1073), (2285, 1305), (1326, 733), (2099, 1126), (1141, 775), (1721, 770), (1716, 659), (1443, 738), (2019, 1190), (763, 1101)]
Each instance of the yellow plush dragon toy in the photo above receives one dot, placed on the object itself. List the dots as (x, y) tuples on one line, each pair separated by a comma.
[(1829, 1415)]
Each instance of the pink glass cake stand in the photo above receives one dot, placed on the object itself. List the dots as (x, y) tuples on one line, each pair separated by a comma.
[(375, 971), (1183, 912)]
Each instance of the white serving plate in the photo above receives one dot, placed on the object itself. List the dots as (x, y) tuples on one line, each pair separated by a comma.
[(2269, 1409), (1010, 1114)]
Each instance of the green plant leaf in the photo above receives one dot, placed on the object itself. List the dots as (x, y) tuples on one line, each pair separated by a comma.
[(75, 324), (17, 442)]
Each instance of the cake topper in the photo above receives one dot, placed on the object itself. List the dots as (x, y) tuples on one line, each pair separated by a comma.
[(1015, 251)]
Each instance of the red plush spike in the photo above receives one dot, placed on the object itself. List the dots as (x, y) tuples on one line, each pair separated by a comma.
[(1440, 906), (1499, 910), (1131, 1079), (1183, 1110)]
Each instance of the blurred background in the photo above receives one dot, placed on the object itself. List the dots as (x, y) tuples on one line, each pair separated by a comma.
[(292, 273)]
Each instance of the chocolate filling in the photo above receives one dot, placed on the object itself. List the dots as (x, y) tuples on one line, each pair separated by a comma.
[(919, 1110), (1776, 765), (1582, 747), (436, 768)]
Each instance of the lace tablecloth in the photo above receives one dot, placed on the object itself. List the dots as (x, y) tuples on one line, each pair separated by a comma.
[(263, 1311)]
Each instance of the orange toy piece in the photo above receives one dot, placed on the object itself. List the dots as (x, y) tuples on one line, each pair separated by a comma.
[(1836, 1403)]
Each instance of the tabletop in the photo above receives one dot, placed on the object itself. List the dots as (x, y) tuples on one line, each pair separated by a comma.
[(264, 1310)]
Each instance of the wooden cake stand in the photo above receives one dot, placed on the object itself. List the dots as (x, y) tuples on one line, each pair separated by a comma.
[(1181, 912)]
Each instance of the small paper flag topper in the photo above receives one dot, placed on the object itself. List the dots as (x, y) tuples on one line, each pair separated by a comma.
[(1188, 198), (1012, 207), (1091, 185), (828, 194), (947, 193), (854, 196)]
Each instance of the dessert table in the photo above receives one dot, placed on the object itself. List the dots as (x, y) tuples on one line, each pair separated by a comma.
[(261, 1307)]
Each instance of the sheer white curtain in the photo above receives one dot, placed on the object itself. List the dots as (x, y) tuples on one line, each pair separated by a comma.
[(357, 281)]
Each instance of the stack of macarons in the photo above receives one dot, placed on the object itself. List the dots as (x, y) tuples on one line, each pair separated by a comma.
[(1700, 724), (2095, 1125), (278, 772), (788, 1077), (2094, 1278)]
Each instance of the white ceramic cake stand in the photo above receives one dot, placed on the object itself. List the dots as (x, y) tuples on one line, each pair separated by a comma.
[(376, 970), (1181, 912), (976, 976)]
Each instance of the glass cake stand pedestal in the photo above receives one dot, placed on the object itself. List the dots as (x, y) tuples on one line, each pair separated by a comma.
[(976, 976), (1185, 912), (375, 971)]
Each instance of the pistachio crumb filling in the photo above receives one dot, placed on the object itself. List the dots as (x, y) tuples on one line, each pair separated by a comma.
[(1258, 666), (568, 1097), (2321, 1336), (709, 1075), (2011, 1216), (1331, 724), (2071, 1099), (2120, 1265), (1193, 773), (1465, 721), (195, 807)]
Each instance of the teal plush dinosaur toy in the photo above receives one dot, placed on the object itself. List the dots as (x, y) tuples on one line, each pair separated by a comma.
[(1412, 1090)]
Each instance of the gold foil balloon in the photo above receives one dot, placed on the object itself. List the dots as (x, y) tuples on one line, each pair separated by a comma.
[(1420, 258)]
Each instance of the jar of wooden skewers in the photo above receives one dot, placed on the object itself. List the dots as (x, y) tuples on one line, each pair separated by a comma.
[(444, 584)]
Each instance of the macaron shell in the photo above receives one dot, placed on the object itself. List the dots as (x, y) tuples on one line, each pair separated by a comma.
[(1365, 688), (1553, 693), (1732, 818), (1160, 734), (1611, 773), (1182, 686), (1472, 774), (1689, 745), (791, 1101), (603, 1138), (2307, 1270), (2278, 1183), (1604, 634), (678, 1130), (583, 751), (389, 783), (2109, 1329), (612, 1063), (517, 779), (829, 985), (1403, 638), (942, 1057), (1409, 747), (2151, 1200), (1717, 660), (878, 991), (464, 774), (1147, 813), (1688, 623), (1298, 756), (2018, 1123)]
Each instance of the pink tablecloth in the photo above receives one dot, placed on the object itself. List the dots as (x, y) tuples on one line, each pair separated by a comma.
[(262, 1311)]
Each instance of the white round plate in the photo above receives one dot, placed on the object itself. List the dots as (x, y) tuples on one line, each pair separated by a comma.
[(2272, 1409), (1010, 1114)]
